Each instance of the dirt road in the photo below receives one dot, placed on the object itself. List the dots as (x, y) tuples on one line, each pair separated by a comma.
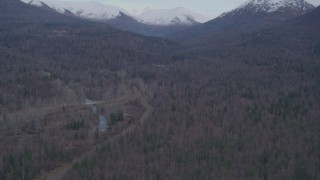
[(60, 172)]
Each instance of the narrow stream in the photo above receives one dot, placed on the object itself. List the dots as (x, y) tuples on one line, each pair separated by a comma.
[(103, 121)]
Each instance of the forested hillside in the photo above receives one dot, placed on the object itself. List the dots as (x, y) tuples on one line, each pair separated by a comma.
[(244, 109), (50, 65), (81, 100)]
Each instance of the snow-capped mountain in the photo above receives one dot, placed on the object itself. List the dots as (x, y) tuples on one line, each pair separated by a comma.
[(90, 10), (171, 17), (298, 7), (143, 21), (97, 11), (252, 14)]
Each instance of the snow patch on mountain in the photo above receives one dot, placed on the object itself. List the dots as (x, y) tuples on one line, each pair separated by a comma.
[(293, 7), (274, 5), (34, 2), (171, 17), (89, 10)]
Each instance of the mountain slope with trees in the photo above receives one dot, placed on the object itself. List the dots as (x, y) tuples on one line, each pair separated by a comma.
[(250, 15), (242, 110)]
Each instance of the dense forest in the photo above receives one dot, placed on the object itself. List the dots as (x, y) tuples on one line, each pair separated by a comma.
[(236, 113), (244, 107)]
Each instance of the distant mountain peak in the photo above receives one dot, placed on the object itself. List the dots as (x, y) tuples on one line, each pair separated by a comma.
[(178, 15), (279, 9), (275, 5), (90, 10)]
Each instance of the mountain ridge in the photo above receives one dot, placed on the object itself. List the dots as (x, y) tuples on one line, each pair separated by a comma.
[(119, 18), (96, 11), (177, 15), (249, 15), (274, 5)]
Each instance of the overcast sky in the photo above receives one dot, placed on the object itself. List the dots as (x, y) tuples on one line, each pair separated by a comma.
[(210, 8)]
